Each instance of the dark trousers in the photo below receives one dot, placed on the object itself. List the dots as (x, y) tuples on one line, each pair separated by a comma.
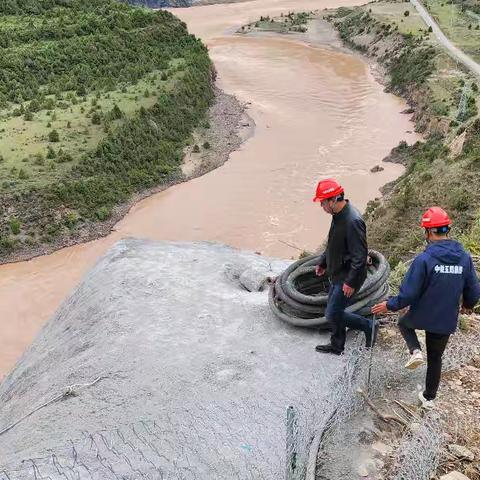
[(340, 319), (436, 344)]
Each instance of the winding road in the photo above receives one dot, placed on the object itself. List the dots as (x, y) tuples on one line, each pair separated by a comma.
[(454, 51)]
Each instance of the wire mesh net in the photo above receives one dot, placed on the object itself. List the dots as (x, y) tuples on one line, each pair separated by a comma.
[(250, 437), (419, 453), (245, 438)]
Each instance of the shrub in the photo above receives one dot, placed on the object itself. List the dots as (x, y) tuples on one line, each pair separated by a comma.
[(39, 159), (28, 117), (71, 219), (196, 149), (116, 113), (51, 152), (7, 244), (22, 174), (96, 119), (459, 199), (103, 213), (14, 224), (53, 136), (206, 145), (406, 13)]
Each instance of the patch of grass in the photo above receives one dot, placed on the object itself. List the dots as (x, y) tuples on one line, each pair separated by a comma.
[(31, 139), (393, 13), (455, 22)]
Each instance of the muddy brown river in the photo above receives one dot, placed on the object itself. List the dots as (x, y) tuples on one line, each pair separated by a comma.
[(318, 111)]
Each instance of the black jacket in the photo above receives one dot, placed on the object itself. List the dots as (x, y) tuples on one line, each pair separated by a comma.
[(345, 257)]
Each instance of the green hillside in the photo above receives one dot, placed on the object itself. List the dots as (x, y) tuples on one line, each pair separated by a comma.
[(97, 101), (445, 168)]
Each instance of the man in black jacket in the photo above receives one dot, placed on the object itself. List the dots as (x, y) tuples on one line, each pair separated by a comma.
[(345, 262)]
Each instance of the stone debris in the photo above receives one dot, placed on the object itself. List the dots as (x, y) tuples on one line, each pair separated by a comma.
[(461, 452), (454, 476), (382, 448), (367, 468), (255, 279)]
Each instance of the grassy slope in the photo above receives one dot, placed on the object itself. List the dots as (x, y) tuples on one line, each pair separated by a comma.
[(421, 72), (122, 87), (458, 24), (24, 144)]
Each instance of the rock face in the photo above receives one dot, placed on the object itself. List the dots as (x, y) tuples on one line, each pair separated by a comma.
[(196, 373)]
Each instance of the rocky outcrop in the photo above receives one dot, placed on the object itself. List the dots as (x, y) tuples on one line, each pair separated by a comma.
[(160, 363)]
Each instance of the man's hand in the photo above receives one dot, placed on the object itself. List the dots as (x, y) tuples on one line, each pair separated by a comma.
[(319, 271), (380, 308), (348, 290), (466, 311)]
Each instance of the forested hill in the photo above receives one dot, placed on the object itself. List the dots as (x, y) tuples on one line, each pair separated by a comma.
[(36, 7), (97, 101), (160, 3)]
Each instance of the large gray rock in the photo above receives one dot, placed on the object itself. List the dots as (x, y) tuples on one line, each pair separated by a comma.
[(454, 476), (461, 452), (197, 373)]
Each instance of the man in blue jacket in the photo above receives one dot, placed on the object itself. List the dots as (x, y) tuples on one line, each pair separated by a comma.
[(432, 288)]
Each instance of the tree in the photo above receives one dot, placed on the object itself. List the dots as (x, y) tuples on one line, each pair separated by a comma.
[(28, 117), (51, 152), (96, 119), (116, 113), (53, 136)]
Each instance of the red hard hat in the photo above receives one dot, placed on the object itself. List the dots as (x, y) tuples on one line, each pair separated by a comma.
[(327, 189), (435, 217)]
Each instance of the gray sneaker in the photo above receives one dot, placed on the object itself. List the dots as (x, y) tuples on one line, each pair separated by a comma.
[(416, 359), (426, 404)]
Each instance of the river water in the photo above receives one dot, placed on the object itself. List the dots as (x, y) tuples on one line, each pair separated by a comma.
[(318, 111)]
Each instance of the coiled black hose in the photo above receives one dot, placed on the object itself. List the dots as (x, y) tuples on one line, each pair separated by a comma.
[(299, 297)]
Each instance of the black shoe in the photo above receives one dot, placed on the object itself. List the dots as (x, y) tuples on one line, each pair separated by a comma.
[(368, 336), (328, 348)]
